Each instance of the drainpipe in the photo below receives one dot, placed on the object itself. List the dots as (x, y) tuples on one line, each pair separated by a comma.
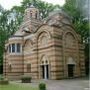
[(37, 56), (23, 57)]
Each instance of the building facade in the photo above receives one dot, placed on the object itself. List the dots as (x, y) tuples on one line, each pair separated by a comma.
[(44, 49)]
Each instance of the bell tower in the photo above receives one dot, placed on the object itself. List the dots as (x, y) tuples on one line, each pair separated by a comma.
[(31, 20), (31, 13)]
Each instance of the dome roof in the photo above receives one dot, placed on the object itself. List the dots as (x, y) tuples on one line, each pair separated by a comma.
[(59, 11), (32, 6), (58, 18)]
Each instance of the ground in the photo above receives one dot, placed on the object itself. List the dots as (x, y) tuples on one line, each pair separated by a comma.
[(67, 84), (13, 86)]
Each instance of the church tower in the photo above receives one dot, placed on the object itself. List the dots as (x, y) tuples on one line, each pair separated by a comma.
[(31, 20), (31, 13)]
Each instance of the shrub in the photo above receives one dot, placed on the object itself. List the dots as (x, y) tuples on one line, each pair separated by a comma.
[(26, 79), (3, 81), (42, 86), (1, 77)]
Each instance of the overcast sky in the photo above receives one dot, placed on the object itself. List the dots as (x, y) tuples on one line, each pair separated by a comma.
[(8, 4)]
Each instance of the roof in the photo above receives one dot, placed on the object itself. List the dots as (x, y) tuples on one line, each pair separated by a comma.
[(58, 18)]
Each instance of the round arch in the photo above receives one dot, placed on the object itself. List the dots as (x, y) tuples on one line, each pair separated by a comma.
[(44, 60), (44, 31), (73, 33), (44, 67), (27, 41), (70, 60)]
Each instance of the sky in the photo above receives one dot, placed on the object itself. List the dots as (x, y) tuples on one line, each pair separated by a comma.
[(8, 4)]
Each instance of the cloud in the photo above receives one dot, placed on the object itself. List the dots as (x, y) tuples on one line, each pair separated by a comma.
[(8, 4)]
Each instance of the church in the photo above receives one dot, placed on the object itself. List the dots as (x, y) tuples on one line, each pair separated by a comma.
[(44, 48)]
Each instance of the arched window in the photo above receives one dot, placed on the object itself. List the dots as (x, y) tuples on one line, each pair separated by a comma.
[(44, 60), (28, 48), (28, 67), (13, 48), (43, 39), (18, 48), (36, 15), (70, 40), (9, 67), (9, 48), (30, 14)]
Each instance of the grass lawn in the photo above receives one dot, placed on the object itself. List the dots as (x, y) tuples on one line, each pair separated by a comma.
[(16, 87)]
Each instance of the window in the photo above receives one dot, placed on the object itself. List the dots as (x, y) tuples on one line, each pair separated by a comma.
[(36, 15), (9, 48), (9, 67), (28, 67), (44, 40), (30, 14), (70, 40), (18, 48), (13, 48)]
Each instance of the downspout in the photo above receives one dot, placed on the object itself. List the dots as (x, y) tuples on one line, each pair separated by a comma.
[(23, 55), (37, 59)]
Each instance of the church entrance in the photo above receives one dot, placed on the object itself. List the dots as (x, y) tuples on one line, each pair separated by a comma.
[(70, 67), (45, 71), (70, 70), (44, 68)]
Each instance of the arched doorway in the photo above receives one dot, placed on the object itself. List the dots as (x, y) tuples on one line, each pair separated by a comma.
[(71, 70), (44, 68), (71, 66), (45, 71)]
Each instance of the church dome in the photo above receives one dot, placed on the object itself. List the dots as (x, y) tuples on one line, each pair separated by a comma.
[(59, 11), (58, 18), (32, 6)]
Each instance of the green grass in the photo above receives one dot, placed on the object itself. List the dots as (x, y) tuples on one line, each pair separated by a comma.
[(16, 87)]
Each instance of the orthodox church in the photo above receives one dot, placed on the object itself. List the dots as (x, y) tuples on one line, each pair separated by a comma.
[(44, 49)]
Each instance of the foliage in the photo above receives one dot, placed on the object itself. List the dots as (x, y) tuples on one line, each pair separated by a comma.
[(42, 86), (3, 81), (1, 77), (26, 79), (81, 25)]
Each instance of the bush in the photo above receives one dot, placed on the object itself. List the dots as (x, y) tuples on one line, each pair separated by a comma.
[(1, 77), (3, 81), (26, 79), (42, 86)]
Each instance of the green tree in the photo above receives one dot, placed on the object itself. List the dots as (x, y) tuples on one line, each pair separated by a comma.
[(7, 28), (3, 20)]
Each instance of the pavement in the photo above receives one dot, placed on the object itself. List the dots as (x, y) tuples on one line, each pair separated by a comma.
[(67, 84)]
